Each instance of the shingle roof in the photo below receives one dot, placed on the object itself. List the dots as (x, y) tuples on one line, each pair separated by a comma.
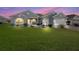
[(59, 15), (25, 14)]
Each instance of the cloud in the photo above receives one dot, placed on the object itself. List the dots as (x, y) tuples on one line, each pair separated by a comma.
[(44, 10)]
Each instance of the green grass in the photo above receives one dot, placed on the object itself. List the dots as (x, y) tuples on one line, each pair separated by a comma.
[(37, 39)]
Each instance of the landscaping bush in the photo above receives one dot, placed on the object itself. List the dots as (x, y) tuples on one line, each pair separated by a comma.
[(25, 24), (77, 25), (61, 26), (1, 22), (50, 25), (68, 22)]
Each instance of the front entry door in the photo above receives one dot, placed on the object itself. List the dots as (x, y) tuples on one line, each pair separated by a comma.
[(32, 22)]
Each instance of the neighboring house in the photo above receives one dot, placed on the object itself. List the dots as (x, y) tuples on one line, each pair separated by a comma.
[(75, 21), (24, 18), (2, 19), (69, 21), (59, 20)]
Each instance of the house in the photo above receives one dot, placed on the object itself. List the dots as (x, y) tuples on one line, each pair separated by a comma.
[(59, 20), (31, 19), (56, 20), (26, 18)]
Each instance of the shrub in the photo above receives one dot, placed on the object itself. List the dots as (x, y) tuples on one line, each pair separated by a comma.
[(25, 24), (1, 22), (50, 25), (61, 26)]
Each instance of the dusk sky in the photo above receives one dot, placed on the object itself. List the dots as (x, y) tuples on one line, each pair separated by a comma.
[(8, 11)]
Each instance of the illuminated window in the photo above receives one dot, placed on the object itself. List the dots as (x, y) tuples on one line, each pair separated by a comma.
[(19, 21)]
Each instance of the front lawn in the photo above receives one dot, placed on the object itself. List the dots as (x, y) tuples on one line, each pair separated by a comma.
[(37, 39)]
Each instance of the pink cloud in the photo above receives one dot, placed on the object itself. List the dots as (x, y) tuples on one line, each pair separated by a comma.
[(44, 10), (8, 13)]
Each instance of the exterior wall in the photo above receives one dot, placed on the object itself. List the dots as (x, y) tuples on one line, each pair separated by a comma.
[(14, 22), (67, 25), (58, 22), (50, 20), (1, 20), (29, 22), (45, 21), (39, 21), (75, 21)]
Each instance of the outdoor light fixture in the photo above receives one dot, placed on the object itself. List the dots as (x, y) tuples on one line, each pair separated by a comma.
[(46, 29)]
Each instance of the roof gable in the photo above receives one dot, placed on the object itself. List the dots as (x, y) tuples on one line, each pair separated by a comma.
[(25, 14), (59, 16)]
